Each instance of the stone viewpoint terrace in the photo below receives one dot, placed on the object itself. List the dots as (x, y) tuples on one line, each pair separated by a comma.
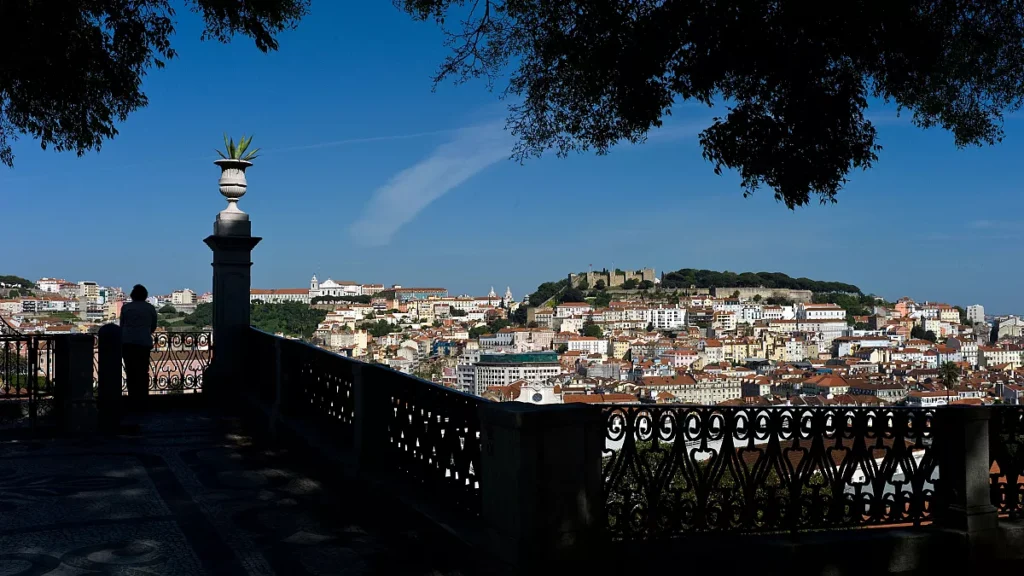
[(266, 455)]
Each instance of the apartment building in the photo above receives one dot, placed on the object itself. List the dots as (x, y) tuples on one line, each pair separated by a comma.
[(504, 369)]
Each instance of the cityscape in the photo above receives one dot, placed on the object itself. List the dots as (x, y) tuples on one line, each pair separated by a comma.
[(511, 288), (612, 337)]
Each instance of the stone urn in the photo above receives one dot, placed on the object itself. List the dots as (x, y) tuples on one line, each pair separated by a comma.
[(232, 181)]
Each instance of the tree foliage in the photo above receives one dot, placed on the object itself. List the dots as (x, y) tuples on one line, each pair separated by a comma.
[(9, 279), (73, 70), (290, 318), (572, 295), (919, 333), (602, 300), (167, 309), (201, 316), (686, 277), (519, 316), (630, 284), (796, 82), (491, 328), (379, 328), (963, 315), (545, 291), (455, 312), (950, 373), (862, 305), (592, 330)]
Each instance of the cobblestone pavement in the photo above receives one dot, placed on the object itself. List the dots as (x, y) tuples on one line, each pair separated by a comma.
[(192, 495)]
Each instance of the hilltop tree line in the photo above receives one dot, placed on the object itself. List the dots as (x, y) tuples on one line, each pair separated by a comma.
[(17, 281), (289, 318), (686, 277)]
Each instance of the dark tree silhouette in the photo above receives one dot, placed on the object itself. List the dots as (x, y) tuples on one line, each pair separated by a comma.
[(586, 74), (72, 70)]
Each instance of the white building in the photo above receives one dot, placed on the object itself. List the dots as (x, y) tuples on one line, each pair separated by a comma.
[(666, 318), (825, 331), (54, 285), (820, 312), (331, 287), (928, 398), (279, 295), (796, 349), (975, 313), (538, 392), (996, 355), (370, 289), (587, 345), (569, 309), (752, 313), (504, 369), (185, 296), (503, 340)]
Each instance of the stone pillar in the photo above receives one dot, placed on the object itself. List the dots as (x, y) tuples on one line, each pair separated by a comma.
[(73, 376), (963, 452), (232, 244), (109, 377), (541, 483)]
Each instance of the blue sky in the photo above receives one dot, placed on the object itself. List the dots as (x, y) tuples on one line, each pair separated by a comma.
[(368, 175)]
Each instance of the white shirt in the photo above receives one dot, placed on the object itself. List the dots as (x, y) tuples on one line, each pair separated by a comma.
[(138, 321)]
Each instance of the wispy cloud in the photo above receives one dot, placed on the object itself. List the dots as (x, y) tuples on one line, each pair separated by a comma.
[(365, 140), (994, 225), (396, 203)]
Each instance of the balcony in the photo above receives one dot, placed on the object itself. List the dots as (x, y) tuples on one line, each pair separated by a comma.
[(280, 476)]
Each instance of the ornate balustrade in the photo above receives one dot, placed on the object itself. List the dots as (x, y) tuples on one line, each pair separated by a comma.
[(176, 364), (406, 430), (27, 366), (681, 469)]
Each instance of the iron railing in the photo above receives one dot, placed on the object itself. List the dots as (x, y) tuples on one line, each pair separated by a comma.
[(417, 433), (1006, 451), (27, 365), (176, 363), (671, 469)]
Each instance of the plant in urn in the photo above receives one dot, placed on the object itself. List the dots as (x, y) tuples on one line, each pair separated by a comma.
[(233, 162)]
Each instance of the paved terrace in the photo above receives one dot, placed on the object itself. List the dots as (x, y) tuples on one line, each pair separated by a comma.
[(191, 494)]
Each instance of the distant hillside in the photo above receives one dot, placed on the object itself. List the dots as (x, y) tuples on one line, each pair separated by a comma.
[(687, 277)]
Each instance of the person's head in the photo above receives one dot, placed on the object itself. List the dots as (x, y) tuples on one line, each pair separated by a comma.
[(139, 293)]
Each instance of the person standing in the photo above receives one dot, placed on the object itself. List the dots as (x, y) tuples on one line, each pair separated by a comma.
[(138, 322)]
